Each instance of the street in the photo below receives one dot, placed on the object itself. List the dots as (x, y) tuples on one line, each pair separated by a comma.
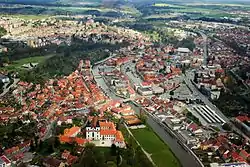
[(205, 49), (101, 83)]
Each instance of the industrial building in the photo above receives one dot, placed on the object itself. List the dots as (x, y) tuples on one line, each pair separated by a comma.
[(208, 114)]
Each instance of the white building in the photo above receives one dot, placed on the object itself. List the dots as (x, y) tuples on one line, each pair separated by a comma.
[(145, 91), (104, 131), (183, 50), (157, 90)]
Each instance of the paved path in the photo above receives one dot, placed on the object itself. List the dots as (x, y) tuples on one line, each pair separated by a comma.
[(145, 152)]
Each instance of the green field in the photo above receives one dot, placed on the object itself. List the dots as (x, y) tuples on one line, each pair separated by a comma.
[(160, 152), (16, 65)]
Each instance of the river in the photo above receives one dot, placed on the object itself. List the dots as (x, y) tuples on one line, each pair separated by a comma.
[(185, 158)]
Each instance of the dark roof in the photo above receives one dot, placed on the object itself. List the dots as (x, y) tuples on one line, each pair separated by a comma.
[(52, 161)]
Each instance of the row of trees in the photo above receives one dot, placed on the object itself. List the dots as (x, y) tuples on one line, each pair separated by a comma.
[(67, 59), (113, 157)]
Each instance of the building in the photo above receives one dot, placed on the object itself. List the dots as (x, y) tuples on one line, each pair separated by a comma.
[(124, 110), (183, 50), (93, 130), (70, 136), (157, 90), (245, 155), (240, 164), (52, 162), (131, 120), (145, 91), (104, 131), (207, 114), (4, 161), (243, 123), (69, 158), (72, 132), (4, 79)]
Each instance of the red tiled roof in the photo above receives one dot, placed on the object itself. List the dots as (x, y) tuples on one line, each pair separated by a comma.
[(107, 132), (243, 118), (244, 154), (65, 154), (193, 127), (80, 141), (119, 136), (5, 159), (11, 150), (65, 139), (235, 156), (107, 125), (70, 132)]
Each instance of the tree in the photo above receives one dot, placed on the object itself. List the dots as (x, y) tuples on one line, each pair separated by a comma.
[(113, 149), (171, 92), (111, 164), (143, 118), (6, 59), (91, 157), (142, 158), (226, 127), (2, 32), (32, 147)]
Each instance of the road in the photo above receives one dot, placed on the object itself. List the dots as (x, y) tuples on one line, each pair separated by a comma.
[(102, 84), (101, 61), (185, 158), (49, 131), (131, 73), (187, 80), (11, 86), (205, 49)]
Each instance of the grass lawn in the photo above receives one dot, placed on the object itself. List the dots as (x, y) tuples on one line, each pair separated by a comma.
[(16, 65), (160, 152)]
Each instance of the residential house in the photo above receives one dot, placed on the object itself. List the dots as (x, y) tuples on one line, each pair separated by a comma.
[(72, 132), (70, 158), (4, 161), (52, 162)]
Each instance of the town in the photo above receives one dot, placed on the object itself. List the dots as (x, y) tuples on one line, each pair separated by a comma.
[(137, 102)]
